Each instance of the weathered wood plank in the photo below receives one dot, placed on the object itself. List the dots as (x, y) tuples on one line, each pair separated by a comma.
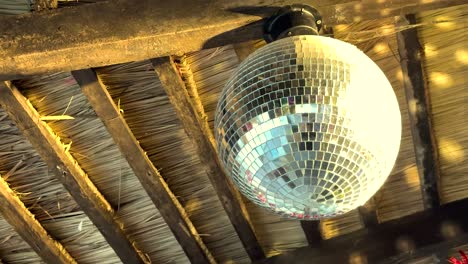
[(445, 226), (417, 98), (150, 178), (109, 33), (199, 132), (26, 225), (70, 174)]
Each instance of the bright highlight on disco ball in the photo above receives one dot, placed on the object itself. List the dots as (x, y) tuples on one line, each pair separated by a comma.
[(308, 127)]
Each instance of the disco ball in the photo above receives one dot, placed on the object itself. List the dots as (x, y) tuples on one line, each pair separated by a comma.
[(308, 127)]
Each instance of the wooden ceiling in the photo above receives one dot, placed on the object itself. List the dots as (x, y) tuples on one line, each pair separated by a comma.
[(78, 40)]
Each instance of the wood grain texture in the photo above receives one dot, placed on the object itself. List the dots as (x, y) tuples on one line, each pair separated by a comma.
[(69, 173), (76, 38), (150, 178), (417, 98), (199, 132), (26, 225)]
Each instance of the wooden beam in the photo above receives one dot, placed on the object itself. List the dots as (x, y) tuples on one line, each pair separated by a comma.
[(417, 98), (200, 134), (77, 38), (70, 174), (368, 214), (26, 225), (312, 232), (444, 224), (150, 178), (438, 251)]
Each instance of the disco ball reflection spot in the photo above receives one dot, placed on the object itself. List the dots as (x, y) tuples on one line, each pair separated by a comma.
[(308, 127)]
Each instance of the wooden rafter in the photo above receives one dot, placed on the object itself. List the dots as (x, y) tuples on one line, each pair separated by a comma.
[(368, 214), (76, 38), (445, 226), (368, 217), (439, 252), (199, 132), (312, 232), (70, 174), (150, 178), (417, 98), (26, 225)]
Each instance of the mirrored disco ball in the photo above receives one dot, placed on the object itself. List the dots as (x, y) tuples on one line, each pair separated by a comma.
[(308, 127)]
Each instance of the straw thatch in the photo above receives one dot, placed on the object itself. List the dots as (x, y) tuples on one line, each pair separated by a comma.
[(146, 108), (13, 249), (95, 151), (46, 198), (152, 119), (446, 65)]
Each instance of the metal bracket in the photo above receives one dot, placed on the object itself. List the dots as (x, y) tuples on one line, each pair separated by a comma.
[(293, 20)]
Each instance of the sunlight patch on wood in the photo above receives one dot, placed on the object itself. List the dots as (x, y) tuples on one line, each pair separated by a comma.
[(381, 47), (430, 51), (440, 80), (411, 176), (461, 55), (451, 151)]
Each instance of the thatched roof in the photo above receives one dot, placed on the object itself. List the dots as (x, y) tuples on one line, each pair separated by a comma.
[(146, 108)]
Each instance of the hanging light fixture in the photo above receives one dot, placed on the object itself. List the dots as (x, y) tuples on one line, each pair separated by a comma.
[(308, 126)]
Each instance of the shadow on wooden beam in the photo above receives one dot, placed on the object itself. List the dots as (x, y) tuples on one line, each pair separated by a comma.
[(417, 99)]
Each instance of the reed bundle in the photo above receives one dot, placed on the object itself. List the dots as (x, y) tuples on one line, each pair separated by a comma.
[(95, 151), (446, 68), (146, 108), (13, 249), (46, 198), (148, 112)]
